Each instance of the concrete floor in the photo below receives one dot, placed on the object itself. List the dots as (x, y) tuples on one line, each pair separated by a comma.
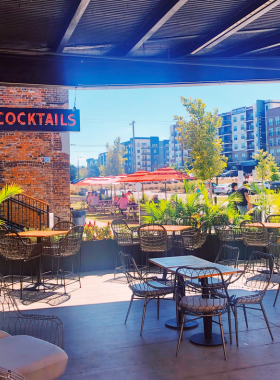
[(100, 346)]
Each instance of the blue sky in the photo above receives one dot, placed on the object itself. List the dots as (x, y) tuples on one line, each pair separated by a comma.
[(106, 114)]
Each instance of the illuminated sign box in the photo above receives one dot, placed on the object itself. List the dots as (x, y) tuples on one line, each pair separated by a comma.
[(39, 120)]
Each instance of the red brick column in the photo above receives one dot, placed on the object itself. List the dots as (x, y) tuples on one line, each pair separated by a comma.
[(22, 153)]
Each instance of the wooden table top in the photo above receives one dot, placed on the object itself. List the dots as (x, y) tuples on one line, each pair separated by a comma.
[(170, 228), (267, 225), (41, 234), (172, 263)]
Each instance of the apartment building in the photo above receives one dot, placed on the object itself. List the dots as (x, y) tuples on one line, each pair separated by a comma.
[(102, 158), (243, 132), (151, 154), (273, 132), (177, 154)]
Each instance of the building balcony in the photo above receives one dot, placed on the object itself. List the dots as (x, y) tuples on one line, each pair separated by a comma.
[(250, 147), (225, 131), (250, 127), (226, 122), (227, 141), (250, 137), (227, 148)]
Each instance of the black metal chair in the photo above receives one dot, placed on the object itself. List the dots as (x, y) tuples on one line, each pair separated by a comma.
[(257, 278), (274, 249), (226, 231), (63, 225), (60, 248), (153, 238), (14, 248), (13, 321), (210, 299), (274, 233), (143, 286), (254, 234), (273, 219), (195, 239), (125, 237)]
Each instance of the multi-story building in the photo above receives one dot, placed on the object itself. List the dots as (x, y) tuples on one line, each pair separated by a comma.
[(151, 154), (177, 154), (243, 132), (90, 162), (273, 131), (102, 158)]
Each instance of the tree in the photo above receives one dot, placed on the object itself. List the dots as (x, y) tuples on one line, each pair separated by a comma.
[(114, 160), (73, 172), (266, 167), (93, 170), (199, 136), (83, 172)]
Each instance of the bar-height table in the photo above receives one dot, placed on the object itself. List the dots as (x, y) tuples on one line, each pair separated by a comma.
[(171, 264), (39, 235)]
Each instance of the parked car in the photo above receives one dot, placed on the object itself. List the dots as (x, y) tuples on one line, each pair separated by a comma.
[(225, 188), (225, 174), (275, 185), (266, 184)]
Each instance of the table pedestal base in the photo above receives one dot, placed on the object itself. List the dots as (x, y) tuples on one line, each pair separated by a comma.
[(199, 339), (188, 325)]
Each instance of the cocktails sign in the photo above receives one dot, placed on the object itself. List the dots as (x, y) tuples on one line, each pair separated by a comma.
[(39, 120)]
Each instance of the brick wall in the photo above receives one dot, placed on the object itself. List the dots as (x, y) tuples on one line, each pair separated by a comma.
[(21, 153)]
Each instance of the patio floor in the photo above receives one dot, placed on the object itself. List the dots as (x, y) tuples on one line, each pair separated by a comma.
[(100, 346)]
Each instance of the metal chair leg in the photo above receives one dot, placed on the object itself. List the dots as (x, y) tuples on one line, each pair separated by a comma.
[(245, 315), (229, 325), (79, 269), (266, 320), (181, 335), (223, 337), (129, 307), (276, 295), (20, 278), (236, 324), (116, 264), (158, 308), (143, 316), (63, 275)]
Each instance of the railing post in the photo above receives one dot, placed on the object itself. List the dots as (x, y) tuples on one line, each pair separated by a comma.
[(8, 211), (48, 216)]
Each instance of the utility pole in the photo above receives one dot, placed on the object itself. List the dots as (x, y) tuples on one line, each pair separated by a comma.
[(78, 168), (134, 150)]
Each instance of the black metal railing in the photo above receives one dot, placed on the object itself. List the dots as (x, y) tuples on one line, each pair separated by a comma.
[(23, 211)]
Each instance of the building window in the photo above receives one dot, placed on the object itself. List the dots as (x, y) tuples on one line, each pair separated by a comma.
[(271, 142), (243, 146), (236, 156), (277, 131), (277, 120), (234, 118), (235, 146), (278, 152), (242, 117), (242, 127), (278, 141), (242, 137), (138, 151), (272, 152), (271, 132), (235, 128), (270, 122), (243, 155), (235, 137)]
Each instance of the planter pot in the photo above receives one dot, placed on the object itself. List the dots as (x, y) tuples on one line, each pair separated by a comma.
[(98, 255)]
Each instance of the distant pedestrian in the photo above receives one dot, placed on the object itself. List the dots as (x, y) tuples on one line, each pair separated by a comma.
[(243, 205), (234, 187)]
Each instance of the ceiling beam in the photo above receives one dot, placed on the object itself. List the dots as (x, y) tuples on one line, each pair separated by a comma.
[(70, 25), (254, 46), (153, 24), (240, 19)]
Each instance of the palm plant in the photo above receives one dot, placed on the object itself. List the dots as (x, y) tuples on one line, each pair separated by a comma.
[(9, 191), (155, 212), (265, 199)]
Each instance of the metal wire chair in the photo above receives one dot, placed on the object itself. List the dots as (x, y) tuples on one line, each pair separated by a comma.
[(10, 375), (67, 246), (46, 327), (257, 278), (195, 239), (143, 286), (125, 237), (153, 238), (273, 219), (226, 231), (208, 300), (254, 234), (274, 249), (63, 225), (188, 221), (274, 233), (14, 248)]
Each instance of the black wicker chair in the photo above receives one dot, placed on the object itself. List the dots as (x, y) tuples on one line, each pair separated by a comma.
[(195, 239), (63, 225), (125, 237), (254, 234), (143, 286), (226, 231), (153, 238), (59, 248), (257, 278), (274, 249), (274, 233), (210, 299), (14, 322), (14, 248)]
